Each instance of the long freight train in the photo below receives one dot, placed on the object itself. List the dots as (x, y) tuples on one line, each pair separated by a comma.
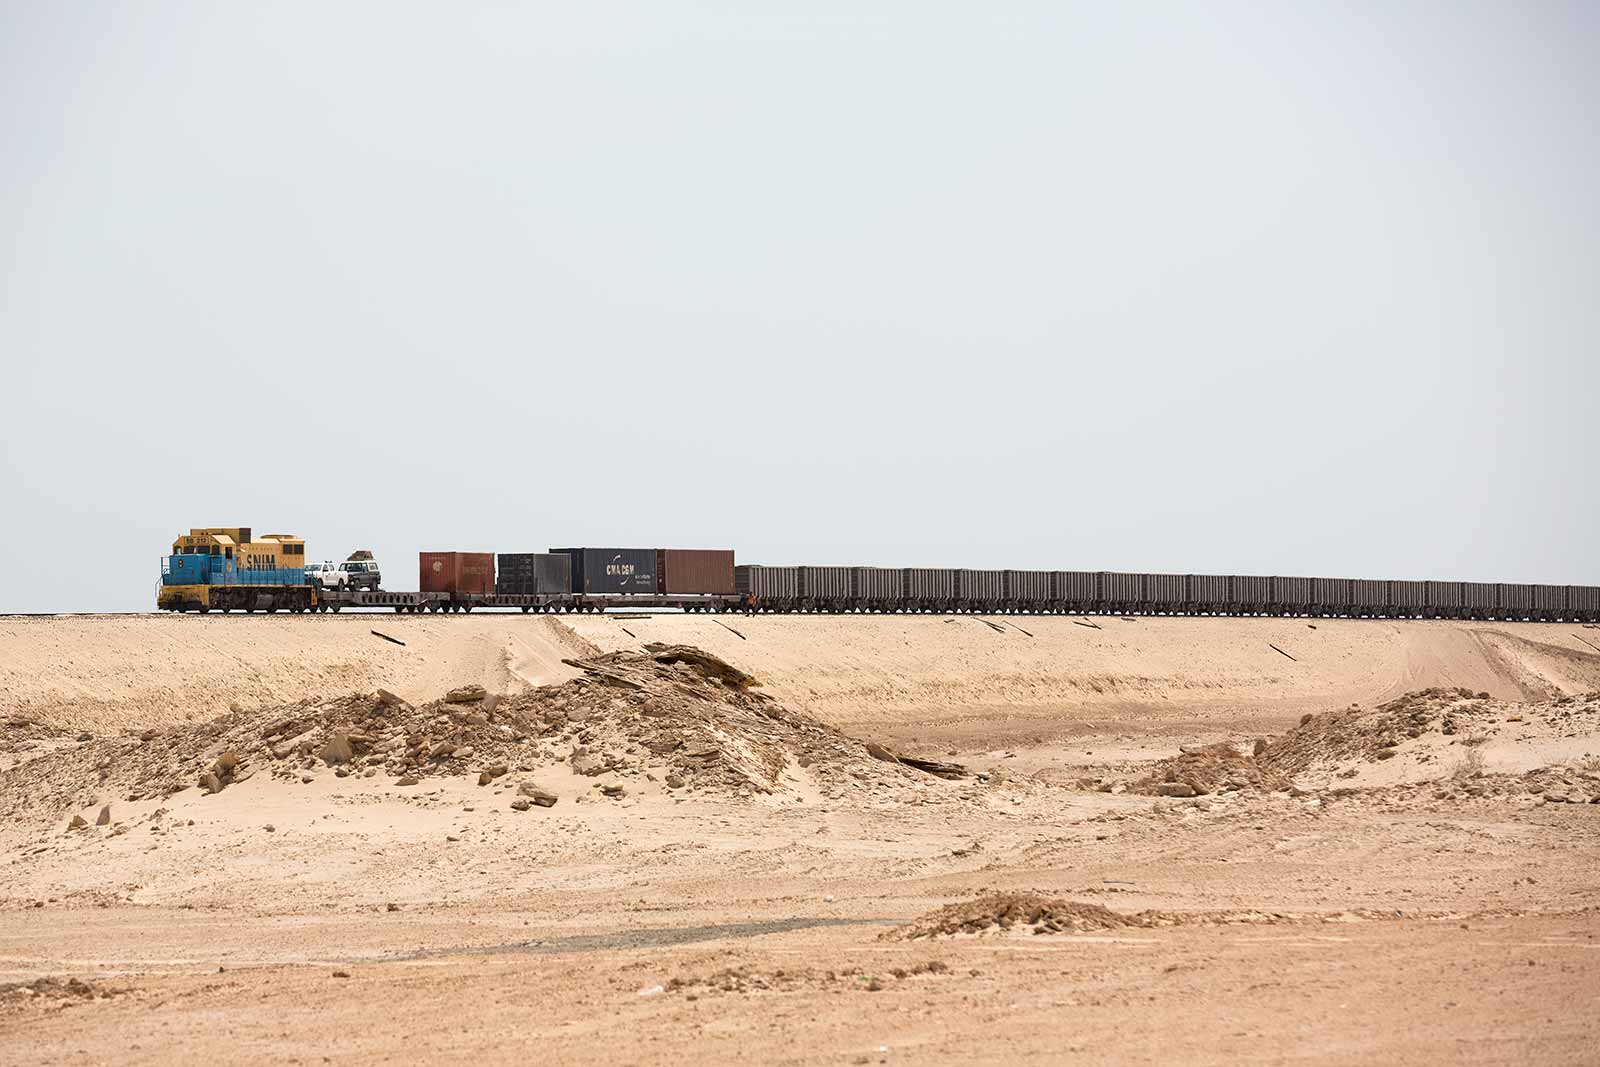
[(225, 569)]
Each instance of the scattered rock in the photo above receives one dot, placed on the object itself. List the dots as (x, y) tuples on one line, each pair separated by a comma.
[(466, 694), (588, 764), (537, 795), (337, 750), (521, 804), (877, 751), (104, 818)]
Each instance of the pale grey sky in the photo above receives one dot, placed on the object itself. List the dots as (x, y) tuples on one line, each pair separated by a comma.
[(1221, 288)]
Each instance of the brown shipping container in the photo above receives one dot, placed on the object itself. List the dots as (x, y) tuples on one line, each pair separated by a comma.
[(695, 570), (456, 572)]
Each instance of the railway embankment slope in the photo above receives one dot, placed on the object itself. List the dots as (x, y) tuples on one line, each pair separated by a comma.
[(925, 678), (958, 678), (103, 673)]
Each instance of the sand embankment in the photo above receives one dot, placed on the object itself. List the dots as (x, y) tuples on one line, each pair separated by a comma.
[(957, 678), (109, 672), (928, 677)]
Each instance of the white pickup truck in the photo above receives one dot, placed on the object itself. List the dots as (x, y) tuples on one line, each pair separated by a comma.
[(351, 574)]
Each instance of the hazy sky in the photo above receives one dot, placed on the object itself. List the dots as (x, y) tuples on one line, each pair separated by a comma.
[(1226, 288)]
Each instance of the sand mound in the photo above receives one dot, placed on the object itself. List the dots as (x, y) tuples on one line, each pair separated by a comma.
[(1219, 768), (1021, 912), (1430, 735), (53, 994), (1374, 733), (1440, 733), (670, 709)]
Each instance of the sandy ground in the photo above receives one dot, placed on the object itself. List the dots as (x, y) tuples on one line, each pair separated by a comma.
[(1437, 904)]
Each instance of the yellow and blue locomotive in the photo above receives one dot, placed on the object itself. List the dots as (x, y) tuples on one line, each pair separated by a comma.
[(224, 568)]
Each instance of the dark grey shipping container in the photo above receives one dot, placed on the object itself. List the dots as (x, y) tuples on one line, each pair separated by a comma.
[(1117, 587), (1369, 593), (1249, 589), (534, 573), (1585, 598), (876, 584), (1408, 596), (1516, 597), (1550, 598), (1330, 592), (767, 583), (612, 570), (929, 583), (1208, 590), (1166, 590), (1293, 593), (824, 583), (1077, 587), (1479, 596), (1444, 594), (1027, 587), (980, 587)]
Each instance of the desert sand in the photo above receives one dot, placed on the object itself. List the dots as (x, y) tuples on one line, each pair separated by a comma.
[(798, 840)]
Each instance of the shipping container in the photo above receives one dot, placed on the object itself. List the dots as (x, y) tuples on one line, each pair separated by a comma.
[(1292, 593), (1166, 590), (1027, 587), (1369, 594), (1480, 598), (456, 572), (1077, 587), (980, 587), (695, 570), (1444, 596), (1249, 590), (1330, 594), (612, 570), (1408, 598), (1209, 592), (533, 573), (929, 585), (775, 585), (876, 585), (829, 584)]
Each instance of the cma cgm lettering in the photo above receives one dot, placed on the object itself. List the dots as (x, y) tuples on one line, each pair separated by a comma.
[(612, 570)]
